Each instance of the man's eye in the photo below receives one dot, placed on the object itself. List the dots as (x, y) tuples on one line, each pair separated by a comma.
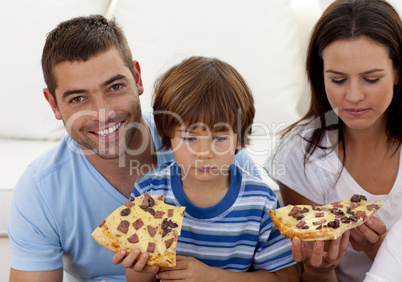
[(116, 87), (77, 99)]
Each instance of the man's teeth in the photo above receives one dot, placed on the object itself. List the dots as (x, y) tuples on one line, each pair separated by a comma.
[(108, 131)]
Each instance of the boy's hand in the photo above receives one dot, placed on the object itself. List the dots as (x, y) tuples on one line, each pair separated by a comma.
[(135, 261), (188, 269)]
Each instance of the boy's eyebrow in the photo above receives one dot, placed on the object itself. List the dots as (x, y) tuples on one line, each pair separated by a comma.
[(68, 93)]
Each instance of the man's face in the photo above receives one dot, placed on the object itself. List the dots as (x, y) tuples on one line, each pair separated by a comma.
[(98, 101)]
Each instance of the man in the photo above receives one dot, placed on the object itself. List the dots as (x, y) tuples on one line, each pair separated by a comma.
[(93, 86)]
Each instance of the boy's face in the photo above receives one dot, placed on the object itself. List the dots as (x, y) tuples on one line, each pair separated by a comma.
[(204, 155), (98, 101)]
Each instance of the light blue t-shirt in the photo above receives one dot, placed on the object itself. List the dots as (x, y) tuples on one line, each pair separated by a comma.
[(59, 200)]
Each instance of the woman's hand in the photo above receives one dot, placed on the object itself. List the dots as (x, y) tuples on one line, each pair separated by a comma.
[(368, 236), (316, 261)]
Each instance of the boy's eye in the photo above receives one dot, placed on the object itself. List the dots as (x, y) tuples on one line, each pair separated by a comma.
[(221, 138), (188, 138)]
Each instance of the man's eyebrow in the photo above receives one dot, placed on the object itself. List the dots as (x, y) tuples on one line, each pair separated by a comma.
[(114, 78), (80, 91)]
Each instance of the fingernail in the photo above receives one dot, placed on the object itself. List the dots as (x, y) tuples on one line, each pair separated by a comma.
[(137, 251), (320, 245), (296, 241), (369, 222)]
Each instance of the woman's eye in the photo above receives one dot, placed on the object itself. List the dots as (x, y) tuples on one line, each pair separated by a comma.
[(372, 81), (338, 81)]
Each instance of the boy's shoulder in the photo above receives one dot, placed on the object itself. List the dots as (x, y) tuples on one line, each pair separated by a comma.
[(252, 182), (160, 173)]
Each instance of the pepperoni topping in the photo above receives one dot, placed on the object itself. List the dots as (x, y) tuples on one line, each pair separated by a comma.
[(125, 212), (354, 205), (337, 205), (170, 212), (102, 223), (161, 198), (294, 210), (362, 214), (319, 214), (319, 222), (300, 224), (138, 224), (133, 239), (169, 242), (130, 203), (151, 247), (123, 226), (151, 230), (159, 214)]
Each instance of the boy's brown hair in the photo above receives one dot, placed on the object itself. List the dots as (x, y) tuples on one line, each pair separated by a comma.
[(203, 90), (79, 39)]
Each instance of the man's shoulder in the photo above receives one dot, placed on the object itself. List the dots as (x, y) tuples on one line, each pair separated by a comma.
[(55, 158)]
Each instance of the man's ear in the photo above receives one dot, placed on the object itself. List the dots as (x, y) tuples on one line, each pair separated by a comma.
[(137, 76), (50, 99)]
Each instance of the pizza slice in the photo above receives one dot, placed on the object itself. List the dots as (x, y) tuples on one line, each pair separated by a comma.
[(146, 224), (323, 222)]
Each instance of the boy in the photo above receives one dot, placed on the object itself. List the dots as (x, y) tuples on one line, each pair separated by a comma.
[(203, 111)]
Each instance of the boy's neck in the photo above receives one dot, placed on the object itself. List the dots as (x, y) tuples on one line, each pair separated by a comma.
[(206, 194)]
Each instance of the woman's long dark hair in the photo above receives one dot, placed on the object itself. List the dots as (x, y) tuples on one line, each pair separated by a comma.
[(350, 19)]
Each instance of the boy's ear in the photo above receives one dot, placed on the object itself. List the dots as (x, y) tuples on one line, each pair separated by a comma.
[(50, 99)]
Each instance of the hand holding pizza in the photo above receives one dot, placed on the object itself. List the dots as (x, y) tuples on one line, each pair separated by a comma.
[(368, 236), (136, 261), (318, 261), (188, 269)]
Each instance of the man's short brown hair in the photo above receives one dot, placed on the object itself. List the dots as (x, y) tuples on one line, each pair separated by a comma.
[(203, 90), (79, 39)]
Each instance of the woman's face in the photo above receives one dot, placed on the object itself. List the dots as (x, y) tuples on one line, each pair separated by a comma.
[(359, 81)]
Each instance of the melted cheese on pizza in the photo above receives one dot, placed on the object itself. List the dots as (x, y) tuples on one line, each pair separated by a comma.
[(318, 222), (146, 224)]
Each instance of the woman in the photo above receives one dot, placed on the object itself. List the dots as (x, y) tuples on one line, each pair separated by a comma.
[(349, 140)]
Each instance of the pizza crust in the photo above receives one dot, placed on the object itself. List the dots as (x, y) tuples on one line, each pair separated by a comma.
[(348, 213), (157, 233)]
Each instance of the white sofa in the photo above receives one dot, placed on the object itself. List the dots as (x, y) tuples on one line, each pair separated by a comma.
[(264, 40)]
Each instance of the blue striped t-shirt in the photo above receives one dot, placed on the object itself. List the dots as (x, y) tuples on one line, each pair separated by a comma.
[(236, 234)]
